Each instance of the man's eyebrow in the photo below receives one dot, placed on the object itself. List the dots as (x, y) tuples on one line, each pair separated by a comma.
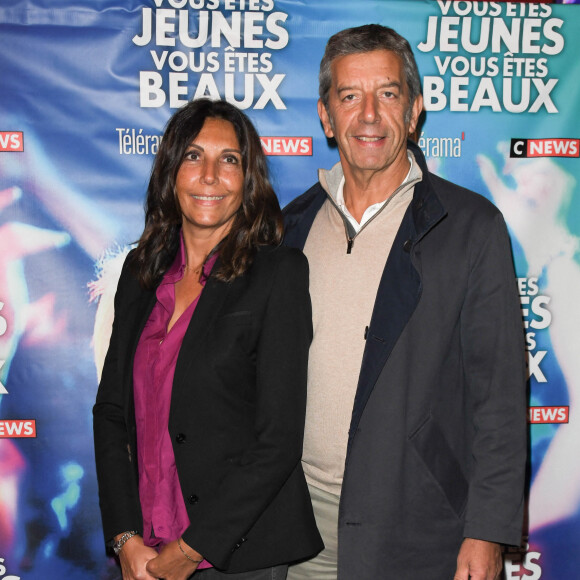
[(384, 85), (389, 84)]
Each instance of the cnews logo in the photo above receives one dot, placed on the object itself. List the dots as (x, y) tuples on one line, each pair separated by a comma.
[(17, 428), (545, 148), (11, 141), (287, 145), (548, 414)]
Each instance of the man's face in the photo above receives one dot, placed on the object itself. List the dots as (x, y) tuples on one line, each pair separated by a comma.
[(368, 112)]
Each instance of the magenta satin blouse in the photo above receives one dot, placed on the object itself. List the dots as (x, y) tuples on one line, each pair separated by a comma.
[(164, 514)]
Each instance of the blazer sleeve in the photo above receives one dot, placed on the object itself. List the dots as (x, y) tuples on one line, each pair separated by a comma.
[(118, 492), (280, 405), (494, 360)]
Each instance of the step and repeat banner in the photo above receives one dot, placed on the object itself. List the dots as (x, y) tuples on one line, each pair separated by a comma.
[(86, 87)]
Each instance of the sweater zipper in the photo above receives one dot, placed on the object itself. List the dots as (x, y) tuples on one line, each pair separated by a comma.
[(349, 243), (349, 238)]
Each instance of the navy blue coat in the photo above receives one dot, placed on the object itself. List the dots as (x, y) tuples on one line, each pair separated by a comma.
[(437, 441)]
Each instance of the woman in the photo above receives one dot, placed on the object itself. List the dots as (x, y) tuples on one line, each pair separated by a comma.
[(200, 410)]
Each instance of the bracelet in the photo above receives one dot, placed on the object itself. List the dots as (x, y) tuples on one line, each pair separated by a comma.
[(121, 541), (185, 554)]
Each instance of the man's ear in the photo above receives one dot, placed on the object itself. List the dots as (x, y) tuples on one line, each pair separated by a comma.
[(416, 110), (325, 120)]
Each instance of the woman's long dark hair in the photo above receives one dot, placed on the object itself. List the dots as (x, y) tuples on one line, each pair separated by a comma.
[(257, 222)]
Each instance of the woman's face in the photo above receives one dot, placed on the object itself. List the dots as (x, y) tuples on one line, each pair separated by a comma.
[(210, 180)]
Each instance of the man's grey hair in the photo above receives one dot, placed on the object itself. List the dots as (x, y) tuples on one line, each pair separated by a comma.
[(366, 39)]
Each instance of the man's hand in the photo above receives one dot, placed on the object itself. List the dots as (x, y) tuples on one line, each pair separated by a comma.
[(134, 556), (173, 564), (478, 560)]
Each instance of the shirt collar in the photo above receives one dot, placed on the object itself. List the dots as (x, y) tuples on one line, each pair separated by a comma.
[(372, 209), (177, 269), (340, 190)]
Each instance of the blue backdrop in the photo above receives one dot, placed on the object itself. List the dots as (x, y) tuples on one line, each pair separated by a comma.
[(86, 88)]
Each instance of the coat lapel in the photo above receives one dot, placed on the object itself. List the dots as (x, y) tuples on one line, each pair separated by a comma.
[(398, 293), (400, 287)]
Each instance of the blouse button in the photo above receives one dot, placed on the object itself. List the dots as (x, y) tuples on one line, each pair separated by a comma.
[(180, 438)]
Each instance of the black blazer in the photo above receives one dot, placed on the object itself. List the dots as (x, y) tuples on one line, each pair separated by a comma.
[(236, 418)]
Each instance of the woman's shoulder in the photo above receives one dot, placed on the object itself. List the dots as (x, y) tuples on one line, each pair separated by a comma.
[(281, 256), (279, 263), (128, 275), (129, 286)]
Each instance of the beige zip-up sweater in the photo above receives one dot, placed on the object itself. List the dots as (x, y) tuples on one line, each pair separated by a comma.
[(343, 288)]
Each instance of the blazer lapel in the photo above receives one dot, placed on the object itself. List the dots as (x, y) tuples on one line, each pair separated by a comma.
[(209, 306)]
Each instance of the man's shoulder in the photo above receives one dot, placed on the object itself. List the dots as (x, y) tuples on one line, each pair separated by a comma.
[(456, 198), (300, 214), (301, 203)]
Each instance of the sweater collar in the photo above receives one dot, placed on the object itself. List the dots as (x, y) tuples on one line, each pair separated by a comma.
[(426, 207)]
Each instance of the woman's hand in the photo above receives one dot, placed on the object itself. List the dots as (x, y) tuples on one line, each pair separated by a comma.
[(134, 556), (173, 563)]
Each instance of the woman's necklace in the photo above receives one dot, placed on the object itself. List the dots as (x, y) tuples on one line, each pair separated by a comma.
[(195, 270)]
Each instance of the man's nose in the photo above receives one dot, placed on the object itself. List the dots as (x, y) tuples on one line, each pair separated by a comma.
[(370, 109)]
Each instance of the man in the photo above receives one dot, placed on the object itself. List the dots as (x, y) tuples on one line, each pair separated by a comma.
[(415, 439)]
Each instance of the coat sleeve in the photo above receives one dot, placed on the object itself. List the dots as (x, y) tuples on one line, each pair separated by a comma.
[(118, 493), (280, 405), (492, 341)]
